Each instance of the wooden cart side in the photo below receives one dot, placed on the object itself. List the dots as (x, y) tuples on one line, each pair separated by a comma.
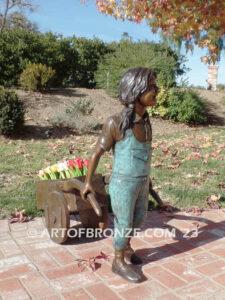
[(74, 201)]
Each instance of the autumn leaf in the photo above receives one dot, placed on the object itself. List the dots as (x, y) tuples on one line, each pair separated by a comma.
[(91, 261), (156, 165), (213, 198), (221, 186), (197, 211), (165, 151), (186, 19), (174, 165), (196, 184), (102, 256), (18, 217)]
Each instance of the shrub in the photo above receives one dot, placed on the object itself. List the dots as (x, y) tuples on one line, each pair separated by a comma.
[(126, 55), (223, 100), (36, 77), (11, 112), (161, 108), (74, 59), (220, 87), (186, 106), (89, 54), (83, 106), (77, 116)]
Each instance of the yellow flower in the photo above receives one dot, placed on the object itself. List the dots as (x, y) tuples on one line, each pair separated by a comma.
[(54, 168)]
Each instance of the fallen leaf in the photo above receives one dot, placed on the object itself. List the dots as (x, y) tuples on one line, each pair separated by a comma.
[(195, 210), (188, 176), (165, 151), (215, 206), (221, 186), (196, 184), (213, 198), (18, 217), (174, 165), (157, 165), (91, 261)]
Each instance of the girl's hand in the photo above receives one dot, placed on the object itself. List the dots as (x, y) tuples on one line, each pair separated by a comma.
[(88, 188)]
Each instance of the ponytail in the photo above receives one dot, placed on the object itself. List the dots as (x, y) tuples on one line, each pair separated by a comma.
[(128, 116)]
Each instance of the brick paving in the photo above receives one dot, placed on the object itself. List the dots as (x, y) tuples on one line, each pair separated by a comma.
[(188, 265)]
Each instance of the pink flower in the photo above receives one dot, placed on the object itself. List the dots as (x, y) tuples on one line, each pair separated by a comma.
[(78, 162), (70, 163), (85, 162)]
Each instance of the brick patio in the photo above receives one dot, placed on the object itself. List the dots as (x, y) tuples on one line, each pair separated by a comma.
[(190, 265)]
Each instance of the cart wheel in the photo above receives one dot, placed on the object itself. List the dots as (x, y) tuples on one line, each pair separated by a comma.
[(90, 220), (57, 217)]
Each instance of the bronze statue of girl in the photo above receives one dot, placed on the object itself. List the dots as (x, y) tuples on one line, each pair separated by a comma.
[(129, 134)]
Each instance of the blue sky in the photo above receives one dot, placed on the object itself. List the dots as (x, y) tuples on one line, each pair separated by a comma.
[(70, 17)]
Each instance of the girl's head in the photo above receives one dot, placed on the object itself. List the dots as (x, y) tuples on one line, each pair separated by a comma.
[(133, 83)]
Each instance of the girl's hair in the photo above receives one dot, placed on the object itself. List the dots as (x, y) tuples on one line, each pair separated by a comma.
[(133, 83)]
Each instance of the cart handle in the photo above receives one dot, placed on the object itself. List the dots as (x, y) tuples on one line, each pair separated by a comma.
[(71, 184)]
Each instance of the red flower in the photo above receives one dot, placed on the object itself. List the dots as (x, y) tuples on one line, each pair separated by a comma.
[(85, 162), (78, 162), (70, 163)]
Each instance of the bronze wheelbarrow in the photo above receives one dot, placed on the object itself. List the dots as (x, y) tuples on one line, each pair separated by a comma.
[(61, 197)]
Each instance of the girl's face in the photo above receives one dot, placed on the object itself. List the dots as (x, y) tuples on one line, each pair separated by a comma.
[(148, 98)]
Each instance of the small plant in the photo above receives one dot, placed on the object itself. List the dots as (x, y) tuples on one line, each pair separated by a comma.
[(83, 106), (11, 111), (77, 116), (223, 100), (186, 106), (220, 87), (161, 108), (36, 77)]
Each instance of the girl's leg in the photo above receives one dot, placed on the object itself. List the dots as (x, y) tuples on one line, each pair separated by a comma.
[(123, 196), (140, 211), (141, 205)]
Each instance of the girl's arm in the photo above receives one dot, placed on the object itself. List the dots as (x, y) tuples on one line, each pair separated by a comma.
[(92, 165)]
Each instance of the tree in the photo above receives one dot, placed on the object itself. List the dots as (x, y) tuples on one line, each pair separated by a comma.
[(13, 5), (17, 20), (197, 22)]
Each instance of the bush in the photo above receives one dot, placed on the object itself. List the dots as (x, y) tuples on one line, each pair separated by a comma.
[(11, 112), (89, 54), (223, 100), (161, 108), (74, 59), (77, 116), (126, 55), (186, 106), (36, 77), (220, 87), (82, 106)]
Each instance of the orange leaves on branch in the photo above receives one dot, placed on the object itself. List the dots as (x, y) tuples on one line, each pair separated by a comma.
[(187, 18)]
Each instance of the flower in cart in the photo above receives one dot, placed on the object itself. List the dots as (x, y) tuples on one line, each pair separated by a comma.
[(71, 164), (43, 176), (54, 168), (85, 162), (63, 170), (85, 166), (49, 172), (78, 162), (75, 167)]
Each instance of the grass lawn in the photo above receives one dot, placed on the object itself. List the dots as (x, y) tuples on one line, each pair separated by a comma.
[(187, 168)]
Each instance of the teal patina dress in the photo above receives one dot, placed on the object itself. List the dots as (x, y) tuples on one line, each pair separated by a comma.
[(129, 185)]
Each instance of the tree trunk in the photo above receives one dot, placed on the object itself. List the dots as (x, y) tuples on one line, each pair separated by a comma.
[(5, 16)]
